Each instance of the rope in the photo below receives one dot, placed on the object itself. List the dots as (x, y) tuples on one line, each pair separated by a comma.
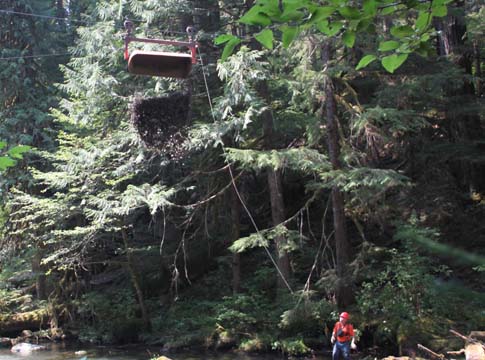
[(32, 56), (253, 222), (41, 16)]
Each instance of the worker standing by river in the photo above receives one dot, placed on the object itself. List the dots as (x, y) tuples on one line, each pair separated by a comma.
[(342, 338)]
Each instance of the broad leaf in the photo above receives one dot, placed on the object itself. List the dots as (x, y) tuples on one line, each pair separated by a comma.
[(6, 162), (2, 144), (221, 39), (17, 151), (289, 33), (393, 62), (388, 45), (255, 16), (348, 38), (330, 29), (321, 13), (349, 12), (423, 20), (370, 7), (366, 60), (439, 11), (402, 31), (229, 48), (266, 38)]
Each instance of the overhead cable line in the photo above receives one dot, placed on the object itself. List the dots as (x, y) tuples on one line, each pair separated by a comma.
[(32, 56), (42, 16)]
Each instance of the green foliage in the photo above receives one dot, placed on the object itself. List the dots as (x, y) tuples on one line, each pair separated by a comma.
[(337, 19), (405, 290), (295, 347), (110, 316), (288, 239)]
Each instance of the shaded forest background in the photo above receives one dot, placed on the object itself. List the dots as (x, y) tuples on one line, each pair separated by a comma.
[(291, 187)]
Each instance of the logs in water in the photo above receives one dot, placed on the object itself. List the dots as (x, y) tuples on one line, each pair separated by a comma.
[(33, 320), (160, 122)]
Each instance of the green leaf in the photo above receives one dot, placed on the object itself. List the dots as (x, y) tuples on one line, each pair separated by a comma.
[(388, 45), (255, 16), (17, 151), (348, 38), (229, 48), (289, 33), (439, 11), (294, 15), (321, 13), (349, 12), (402, 31), (6, 162), (266, 38), (330, 29), (366, 60), (423, 20), (370, 7), (440, 2), (393, 62), (389, 10), (2, 144), (221, 39)]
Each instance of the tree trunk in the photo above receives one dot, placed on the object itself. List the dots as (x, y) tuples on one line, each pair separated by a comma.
[(31, 320), (478, 68), (40, 279), (235, 234), (135, 281), (344, 290), (275, 186)]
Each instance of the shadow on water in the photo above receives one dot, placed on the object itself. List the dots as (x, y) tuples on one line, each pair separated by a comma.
[(68, 352)]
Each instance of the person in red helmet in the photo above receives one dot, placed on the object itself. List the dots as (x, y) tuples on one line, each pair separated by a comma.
[(342, 338)]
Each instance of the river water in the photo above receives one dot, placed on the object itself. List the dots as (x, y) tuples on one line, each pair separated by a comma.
[(59, 352)]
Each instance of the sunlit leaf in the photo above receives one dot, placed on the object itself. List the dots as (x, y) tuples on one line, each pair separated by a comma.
[(366, 60), (266, 38), (370, 7), (17, 151), (348, 38), (221, 39), (423, 20), (289, 33), (439, 11), (255, 16), (402, 31), (393, 62), (6, 162), (321, 13), (349, 12), (229, 48), (388, 45)]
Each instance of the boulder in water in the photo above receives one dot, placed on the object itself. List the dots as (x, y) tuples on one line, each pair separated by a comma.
[(26, 348)]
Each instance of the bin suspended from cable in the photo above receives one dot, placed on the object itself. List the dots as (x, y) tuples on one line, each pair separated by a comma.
[(156, 63)]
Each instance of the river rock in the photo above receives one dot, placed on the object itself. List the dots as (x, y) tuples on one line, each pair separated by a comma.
[(81, 353), (162, 358), (26, 348), (474, 352), (5, 342)]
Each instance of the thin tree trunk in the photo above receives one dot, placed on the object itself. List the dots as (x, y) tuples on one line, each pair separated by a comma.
[(478, 68), (344, 290), (278, 216), (40, 279), (275, 185), (235, 234), (135, 281)]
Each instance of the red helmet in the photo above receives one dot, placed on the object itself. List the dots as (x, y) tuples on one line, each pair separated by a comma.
[(345, 315)]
